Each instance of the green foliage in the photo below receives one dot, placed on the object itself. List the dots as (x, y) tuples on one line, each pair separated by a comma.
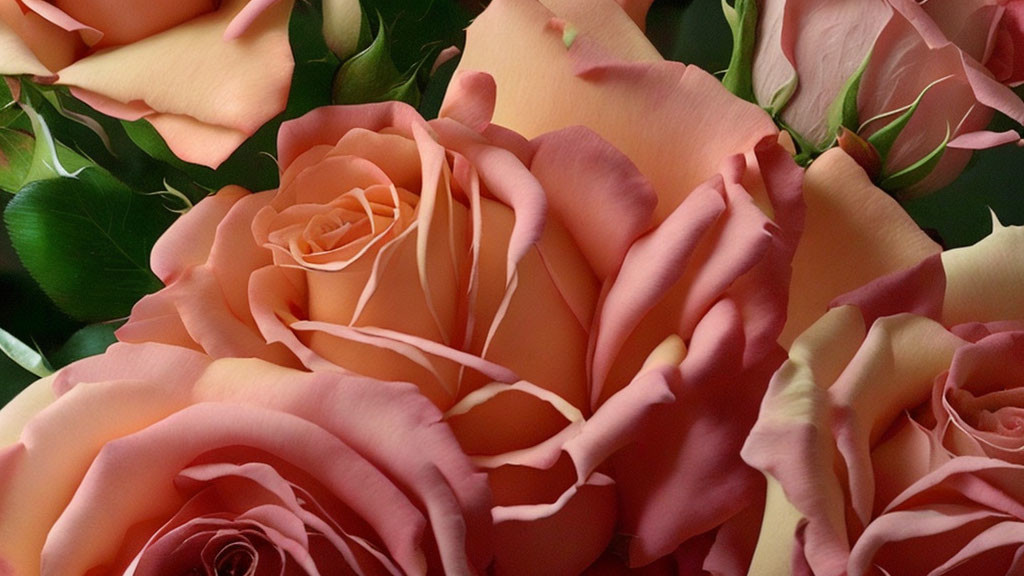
[(88, 341), (86, 241)]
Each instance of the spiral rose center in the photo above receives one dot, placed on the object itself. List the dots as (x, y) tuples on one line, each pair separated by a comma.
[(235, 560)]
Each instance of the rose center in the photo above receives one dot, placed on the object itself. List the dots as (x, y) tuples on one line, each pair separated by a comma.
[(235, 560)]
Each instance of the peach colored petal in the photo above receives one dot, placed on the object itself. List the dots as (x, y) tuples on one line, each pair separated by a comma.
[(538, 336), (52, 13), (875, 388), (192, 140), (128, 22), (853, 233), (982, 283), (155, 318), (609, 25), (188, 241), (18, 57), (16, 413), (543, 86), (594, 190), (324, 125), (560, 538), (235, 86), (794, 420), (637, 10)]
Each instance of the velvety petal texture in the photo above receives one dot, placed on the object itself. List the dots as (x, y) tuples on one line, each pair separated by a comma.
[(958, 57), (463, 259), (205, 74), (889, 432), (152, 459)]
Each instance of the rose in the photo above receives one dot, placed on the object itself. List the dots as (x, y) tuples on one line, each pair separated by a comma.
[(800, 69), (156, 459), (703, 291), (206, 74), (891, 435), (447, 254)]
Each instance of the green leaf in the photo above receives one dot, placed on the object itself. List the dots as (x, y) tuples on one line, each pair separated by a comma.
[(743, 21), (15, 158), (23, 355), (843, 111), (917, 171), (86, 241), (884, 139), (89, 341)]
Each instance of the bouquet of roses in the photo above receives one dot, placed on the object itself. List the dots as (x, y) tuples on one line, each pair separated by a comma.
[(427, 287)]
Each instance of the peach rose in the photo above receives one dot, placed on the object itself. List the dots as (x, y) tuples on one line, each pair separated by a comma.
[(205, 73), (892, 436), (153, 459), (807, 52), (704, 291), (451, 254)]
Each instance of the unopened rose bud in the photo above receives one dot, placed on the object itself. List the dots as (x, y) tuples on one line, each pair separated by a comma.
[(861, 151), (342, 19)]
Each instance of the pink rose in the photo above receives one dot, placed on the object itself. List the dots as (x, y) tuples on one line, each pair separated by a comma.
[(153, 459), (807, 52), (206, 74), (892, 436), (701, 295)]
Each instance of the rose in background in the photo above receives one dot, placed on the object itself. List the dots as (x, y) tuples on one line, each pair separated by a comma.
[(156, 459), (206, 74), (891, 437), (703, 292), (862, 65)]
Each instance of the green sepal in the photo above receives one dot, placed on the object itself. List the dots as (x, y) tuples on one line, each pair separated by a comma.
[(86, 241), (742, 19), (24, 355), (884, 139), (843, 111), (917, 171), (781, 97), (369, 75)]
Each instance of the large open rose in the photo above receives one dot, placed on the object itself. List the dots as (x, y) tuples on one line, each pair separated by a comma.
[(704, 291), (892, 435), (206, 73), (452, 254), (153, 459)]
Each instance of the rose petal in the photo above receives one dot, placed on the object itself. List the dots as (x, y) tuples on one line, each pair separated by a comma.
[(234, 85), (853, 233), (516, 43)]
